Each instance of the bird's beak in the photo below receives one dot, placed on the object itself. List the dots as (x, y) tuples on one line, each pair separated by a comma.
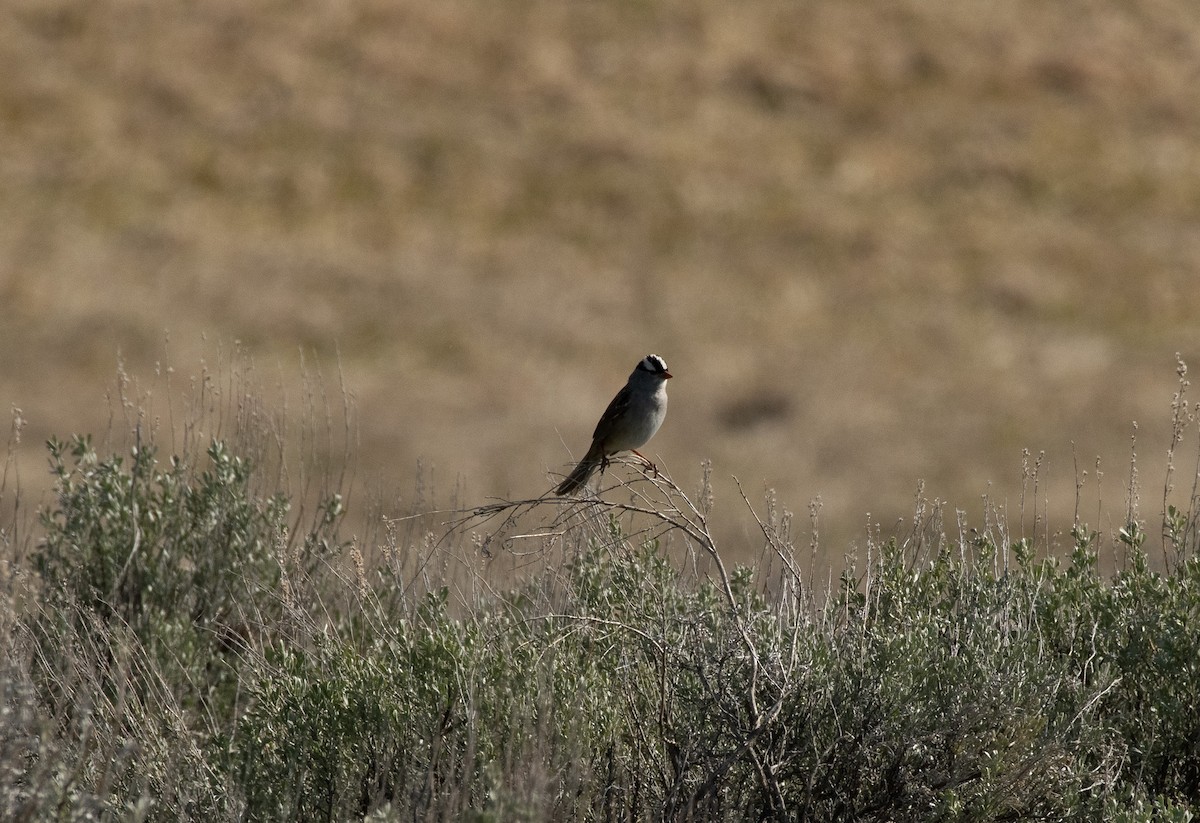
[(667, 375)]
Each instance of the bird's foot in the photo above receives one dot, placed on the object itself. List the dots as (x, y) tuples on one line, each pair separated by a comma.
[(649, 463)]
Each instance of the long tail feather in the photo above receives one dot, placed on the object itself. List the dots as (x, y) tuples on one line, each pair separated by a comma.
[(581, 474)]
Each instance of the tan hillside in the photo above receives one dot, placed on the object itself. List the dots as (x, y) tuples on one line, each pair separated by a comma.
[(876, 242)]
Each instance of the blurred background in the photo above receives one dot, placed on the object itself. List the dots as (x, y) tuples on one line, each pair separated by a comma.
[(877, 243)]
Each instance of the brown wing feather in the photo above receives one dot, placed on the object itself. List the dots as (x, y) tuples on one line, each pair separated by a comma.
[(610, 416)]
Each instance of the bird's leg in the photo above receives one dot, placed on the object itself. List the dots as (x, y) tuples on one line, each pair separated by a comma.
[(649, 463)]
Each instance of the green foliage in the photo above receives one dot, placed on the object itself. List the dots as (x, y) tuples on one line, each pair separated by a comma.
[(945, 703), (152, 582), (142, 545), (332, 730), (168, 668), (1148, 630), (183, 559)]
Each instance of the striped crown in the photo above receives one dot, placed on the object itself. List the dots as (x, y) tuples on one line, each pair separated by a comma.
[(653, 364)]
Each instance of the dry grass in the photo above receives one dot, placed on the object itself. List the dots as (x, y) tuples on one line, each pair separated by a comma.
[(875, 241)]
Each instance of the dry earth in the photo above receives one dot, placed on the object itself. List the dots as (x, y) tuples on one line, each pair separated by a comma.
[(877, 242)]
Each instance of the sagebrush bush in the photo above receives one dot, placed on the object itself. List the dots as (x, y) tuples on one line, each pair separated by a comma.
[(153, 584), (936, 692), (179, 650), (182, 557)]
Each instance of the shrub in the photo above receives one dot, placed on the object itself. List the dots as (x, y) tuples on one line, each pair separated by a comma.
[(182, 558), (180, 657), (153, 585)]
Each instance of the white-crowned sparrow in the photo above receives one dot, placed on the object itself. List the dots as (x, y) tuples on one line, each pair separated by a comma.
[(630, 420)]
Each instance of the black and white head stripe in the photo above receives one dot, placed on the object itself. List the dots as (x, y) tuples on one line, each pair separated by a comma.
[(653, 364)]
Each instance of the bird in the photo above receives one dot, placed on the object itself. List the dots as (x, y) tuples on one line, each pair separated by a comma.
[(629, 422)]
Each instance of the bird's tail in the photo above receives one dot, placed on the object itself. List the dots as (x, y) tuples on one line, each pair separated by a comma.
[(582, 472)]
